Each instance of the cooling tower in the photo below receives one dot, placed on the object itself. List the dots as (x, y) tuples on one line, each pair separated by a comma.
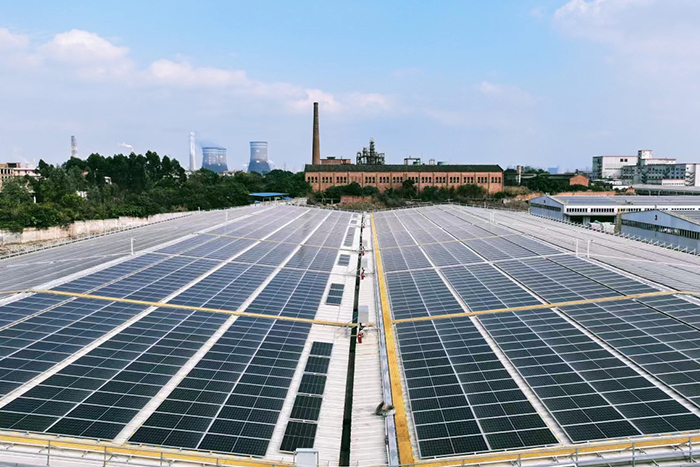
[(214, 159), (258, 158)]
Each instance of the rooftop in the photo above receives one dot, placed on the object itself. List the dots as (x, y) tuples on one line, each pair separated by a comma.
[(628, 200), (493, 340), (403, 168)]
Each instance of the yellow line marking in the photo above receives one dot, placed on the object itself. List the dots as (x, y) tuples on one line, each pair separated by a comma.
[(546, 305), (400, 416), (187, 307), (135, 450), (588, 448)]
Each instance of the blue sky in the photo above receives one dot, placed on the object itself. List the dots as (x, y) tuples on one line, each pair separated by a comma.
[(546, 83)]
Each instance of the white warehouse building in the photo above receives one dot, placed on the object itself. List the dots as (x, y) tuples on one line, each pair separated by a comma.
[(677, 228), (587, 209)]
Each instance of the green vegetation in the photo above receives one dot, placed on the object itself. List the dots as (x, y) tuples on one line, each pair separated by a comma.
[(134, 185)]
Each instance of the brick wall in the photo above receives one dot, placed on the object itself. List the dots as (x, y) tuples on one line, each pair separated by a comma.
[(491, 181)]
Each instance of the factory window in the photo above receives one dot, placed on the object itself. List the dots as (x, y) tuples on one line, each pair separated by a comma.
[(545, 206), (663, 229)]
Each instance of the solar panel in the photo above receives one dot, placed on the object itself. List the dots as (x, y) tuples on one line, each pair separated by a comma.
[(660, 344), (307, 408), (99, 278), (462, 399), (226, 288), (243, 380), (349, 237), (450, 254), (116, 379), (38, 343), (581, 383), (335, 294), (591, 393), (20, 309), (298, 435)]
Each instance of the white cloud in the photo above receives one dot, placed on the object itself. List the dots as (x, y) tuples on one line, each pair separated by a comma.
[(90, 57), (511, 94), (169, 72), (654, 35), (9, 40), (78, 46), (87, 54)]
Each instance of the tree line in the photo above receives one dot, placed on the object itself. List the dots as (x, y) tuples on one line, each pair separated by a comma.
[(136, 185)]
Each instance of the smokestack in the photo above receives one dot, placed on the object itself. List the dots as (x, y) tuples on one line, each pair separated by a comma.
[(73, 147), (193, 160), (316, 151)]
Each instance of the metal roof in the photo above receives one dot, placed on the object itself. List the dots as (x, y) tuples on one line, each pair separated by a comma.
[(267, 194), (694, 190), (628, 200)]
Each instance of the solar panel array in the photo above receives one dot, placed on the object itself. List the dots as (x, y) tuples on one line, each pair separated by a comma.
[(231, 374), (599, 371)]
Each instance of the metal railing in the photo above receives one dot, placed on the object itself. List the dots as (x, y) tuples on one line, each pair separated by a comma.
[(668, 246), (37, 450)]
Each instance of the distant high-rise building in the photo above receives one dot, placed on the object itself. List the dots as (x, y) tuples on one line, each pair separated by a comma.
[(214, 159), (193, 152), (258, 158)]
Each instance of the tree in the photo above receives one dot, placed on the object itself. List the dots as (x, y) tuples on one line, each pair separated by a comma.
[(471, 191), (408, 188)]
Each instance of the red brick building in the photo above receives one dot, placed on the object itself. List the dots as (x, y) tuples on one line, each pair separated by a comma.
[(572, 179), (322, 177)]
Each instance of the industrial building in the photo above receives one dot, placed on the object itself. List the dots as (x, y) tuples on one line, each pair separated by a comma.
[(514, 177), (660, 190), (14, 170), (609, 168), (587, 209), (671, 228), (258, 158), (214, 159), (624, 171), (371, 170), (383, 177), (285, 335)]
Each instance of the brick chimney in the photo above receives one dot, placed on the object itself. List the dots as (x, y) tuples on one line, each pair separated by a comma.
[(316, 150)]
